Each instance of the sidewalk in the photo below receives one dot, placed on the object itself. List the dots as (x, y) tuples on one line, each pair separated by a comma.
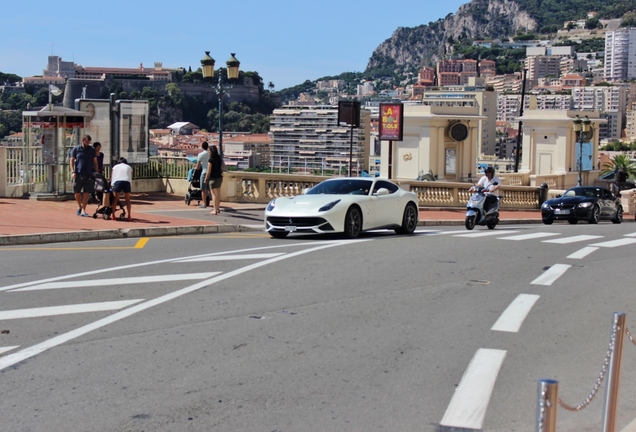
[(30, 221)]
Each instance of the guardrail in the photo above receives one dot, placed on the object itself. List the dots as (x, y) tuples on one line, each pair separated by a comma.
[(23, 175)]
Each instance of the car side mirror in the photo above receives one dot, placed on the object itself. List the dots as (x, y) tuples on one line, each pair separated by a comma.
[(382, 191), (559, 196)]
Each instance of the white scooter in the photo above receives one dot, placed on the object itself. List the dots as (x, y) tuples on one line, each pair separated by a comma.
[(476, 215)]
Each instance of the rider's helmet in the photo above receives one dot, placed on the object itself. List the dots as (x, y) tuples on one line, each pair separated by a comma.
[(489, 170)]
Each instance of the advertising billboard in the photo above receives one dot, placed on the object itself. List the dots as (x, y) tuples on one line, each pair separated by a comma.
[(586, 157), (391, 121), (98, 123), (133, 130)]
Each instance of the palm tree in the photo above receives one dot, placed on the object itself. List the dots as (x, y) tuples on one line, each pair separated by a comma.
[(618, 162)]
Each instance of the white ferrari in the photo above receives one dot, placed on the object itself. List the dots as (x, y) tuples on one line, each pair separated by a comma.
[(344, 205)]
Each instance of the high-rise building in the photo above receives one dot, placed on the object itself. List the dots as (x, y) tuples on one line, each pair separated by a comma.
[(310, 137), (610, 102), (620, 55)]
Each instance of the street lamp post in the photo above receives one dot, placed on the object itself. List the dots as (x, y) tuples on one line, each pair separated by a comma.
[(582, 129), (207, 66)]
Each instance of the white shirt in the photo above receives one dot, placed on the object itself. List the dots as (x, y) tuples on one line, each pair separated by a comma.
[(121, 172), (489, 183), (203, 157)]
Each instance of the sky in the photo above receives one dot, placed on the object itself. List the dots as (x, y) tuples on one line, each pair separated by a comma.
[(285, 41)]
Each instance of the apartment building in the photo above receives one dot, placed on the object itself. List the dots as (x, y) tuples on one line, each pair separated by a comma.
[(310, 137), (508, 105), (620, 55), (610, 102), (542, 66)]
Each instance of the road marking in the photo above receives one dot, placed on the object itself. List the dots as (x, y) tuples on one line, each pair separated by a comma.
[(142, 242), (514, 315), (118, 281), (630, 235), (230, 257), (573, 239), (8, 348), (582, 253), (34, 350), (529, 236), (550, 275), (467, 408), (486, 233), (616, 243), (66, 309)]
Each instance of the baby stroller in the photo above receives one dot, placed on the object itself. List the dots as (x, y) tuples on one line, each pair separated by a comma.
[(194, 188), (101, 186)]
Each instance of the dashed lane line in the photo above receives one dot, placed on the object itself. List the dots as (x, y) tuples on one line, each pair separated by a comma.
[(514, 315), (231, 257), (8, 348), (573, 239), (66, 309), (140, 244), (582, 253), (551, 275)]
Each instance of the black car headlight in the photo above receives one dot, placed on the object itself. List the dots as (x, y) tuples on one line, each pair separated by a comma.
[(545, 206), (328, 206), (585, 204), (271, 205)]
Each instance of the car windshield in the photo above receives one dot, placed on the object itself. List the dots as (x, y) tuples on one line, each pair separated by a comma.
[(342, 187), (586, 192)]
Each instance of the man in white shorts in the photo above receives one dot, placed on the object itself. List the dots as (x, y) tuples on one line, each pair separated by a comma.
[(121, 180)]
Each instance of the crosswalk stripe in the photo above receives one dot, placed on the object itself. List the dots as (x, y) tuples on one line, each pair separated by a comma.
[(118, 281), (630, 235), (66, 309), (8, 348), (573, 239), (582, 253), (529, 236), (486, 233), (616, 243), (467, 408), (514, 315), (550, 275), (231, 257)]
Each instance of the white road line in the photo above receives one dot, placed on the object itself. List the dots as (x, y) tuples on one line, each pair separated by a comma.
[(514, 315), (66, 309), (630, 235), (573, 239), (529, 236), (550, 275), (230, 257), (486, 233), (616, 243), (119, 281), (34, 350), (582, 253), (8, 348), (467, 408)]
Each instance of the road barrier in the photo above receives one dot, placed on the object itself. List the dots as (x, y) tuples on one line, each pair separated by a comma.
[(548, 400)]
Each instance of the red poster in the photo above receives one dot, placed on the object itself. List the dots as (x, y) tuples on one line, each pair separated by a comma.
[(391, 121)]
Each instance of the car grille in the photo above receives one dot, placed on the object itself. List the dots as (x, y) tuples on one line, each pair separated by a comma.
[(564, 206), (297, 221)]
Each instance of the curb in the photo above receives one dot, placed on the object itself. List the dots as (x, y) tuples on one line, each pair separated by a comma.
[(74, 236), (462, 222)]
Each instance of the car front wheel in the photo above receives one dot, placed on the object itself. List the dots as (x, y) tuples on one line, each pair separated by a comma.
[(353, 223), (409, 220), (595, 215)]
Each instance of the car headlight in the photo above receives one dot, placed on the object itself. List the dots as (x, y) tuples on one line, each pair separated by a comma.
[(585, 205), (271, 205), (328, 206), (545, 206)]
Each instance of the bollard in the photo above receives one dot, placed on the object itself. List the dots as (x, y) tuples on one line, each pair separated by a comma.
[(610, 410), (543, 193), (547, 401)]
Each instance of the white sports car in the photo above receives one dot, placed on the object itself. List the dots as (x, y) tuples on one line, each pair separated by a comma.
[(344, 205)]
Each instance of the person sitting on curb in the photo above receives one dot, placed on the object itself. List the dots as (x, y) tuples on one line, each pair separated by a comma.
[(121, 179)]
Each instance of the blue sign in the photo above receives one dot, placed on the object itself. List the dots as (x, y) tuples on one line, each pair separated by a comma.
[(586, 160)]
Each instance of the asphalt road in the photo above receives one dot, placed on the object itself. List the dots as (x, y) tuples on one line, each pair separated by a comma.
[(444, 330)]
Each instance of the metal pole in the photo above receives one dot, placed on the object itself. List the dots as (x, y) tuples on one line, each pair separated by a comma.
[(548, 396), (351, 151), (520, 128), (610, 409), (579, 181), (219, 92)]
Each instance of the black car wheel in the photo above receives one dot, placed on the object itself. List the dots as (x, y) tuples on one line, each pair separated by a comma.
[(548, 220), (573, 221), (619, 216), (595, 215), (409, 220), (353, 223)]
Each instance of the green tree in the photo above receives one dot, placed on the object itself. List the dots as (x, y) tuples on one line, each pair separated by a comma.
[(619, 162)]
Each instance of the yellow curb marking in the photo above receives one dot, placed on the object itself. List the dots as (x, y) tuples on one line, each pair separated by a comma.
[(139, 245), (142, 242)]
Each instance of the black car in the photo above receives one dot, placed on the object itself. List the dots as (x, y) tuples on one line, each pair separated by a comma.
[(589, 203)]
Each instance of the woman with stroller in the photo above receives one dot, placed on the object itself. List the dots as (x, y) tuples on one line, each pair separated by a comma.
[(215, 178), (121, 179)]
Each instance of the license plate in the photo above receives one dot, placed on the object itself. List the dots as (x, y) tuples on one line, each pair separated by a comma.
[(562, 211), (290, 228)]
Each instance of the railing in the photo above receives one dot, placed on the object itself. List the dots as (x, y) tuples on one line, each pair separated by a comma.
[(170, 173)]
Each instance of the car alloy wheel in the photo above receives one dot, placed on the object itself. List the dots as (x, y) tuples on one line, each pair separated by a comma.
[(595, 215), (619, 216), (409, 220), (353, 223)]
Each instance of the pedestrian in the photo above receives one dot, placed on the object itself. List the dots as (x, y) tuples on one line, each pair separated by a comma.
[(83, 163), (214, 176), (121, 179), (96, 197), (202, 164)]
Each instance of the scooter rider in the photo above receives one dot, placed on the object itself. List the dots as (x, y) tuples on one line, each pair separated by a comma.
[(491, 183)]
